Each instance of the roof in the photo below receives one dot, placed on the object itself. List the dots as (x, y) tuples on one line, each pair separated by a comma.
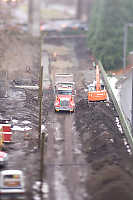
[(64, 88), (8, 172)]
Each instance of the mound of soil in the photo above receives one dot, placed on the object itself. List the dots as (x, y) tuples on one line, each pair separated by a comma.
[(111, 183), (105, 151)]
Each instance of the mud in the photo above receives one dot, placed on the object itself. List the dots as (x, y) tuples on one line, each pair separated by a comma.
[(111, 164)]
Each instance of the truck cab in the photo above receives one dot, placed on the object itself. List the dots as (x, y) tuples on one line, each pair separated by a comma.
[(64, 93), (64, 99)]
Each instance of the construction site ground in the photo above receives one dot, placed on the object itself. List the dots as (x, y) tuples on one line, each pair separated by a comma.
[(86, 155)]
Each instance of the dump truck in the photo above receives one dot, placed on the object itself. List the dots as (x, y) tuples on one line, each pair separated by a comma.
[(96, 90), (64, 92)]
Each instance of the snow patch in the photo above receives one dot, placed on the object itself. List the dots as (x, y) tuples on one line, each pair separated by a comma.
[(15, 121), (116, 91), (118, 125), (124, 139), (18, 128), (26, 122), (36, 190)]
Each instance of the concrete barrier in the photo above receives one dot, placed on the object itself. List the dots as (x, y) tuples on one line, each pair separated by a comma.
[(125, 125)]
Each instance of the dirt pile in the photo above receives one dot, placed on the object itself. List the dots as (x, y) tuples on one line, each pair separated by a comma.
[(105, 150), (111, 183)]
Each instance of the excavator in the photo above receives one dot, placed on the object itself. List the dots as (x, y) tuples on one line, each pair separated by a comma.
[(96, 90)]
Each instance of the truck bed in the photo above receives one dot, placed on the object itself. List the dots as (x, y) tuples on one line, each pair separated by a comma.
[(64, 78)]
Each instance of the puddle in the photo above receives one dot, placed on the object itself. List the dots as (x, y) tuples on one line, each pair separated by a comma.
[(36, 190), (58, 133), (61, 192)]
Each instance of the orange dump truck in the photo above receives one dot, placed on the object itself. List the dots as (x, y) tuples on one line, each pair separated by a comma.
[(64, 92)]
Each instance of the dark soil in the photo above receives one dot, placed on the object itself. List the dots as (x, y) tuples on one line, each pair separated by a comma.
[(102, 141)]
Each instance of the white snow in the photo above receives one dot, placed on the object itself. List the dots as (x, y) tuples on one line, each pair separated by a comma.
[(15, 121), (26, 122), (118, 124), (43, 127), (36, 190), (18, 128), (113, 80)]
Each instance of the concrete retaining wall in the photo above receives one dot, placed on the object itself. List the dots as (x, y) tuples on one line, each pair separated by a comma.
[(126, 127)]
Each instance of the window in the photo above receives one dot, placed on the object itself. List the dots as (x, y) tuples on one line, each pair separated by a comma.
[(91, 88), (64, 92), (102, 87), (12, 181)]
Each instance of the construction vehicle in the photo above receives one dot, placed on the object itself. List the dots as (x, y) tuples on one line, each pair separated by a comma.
[(12, 184), (64, 92), (96, 90), (5, 131), (3, 158)]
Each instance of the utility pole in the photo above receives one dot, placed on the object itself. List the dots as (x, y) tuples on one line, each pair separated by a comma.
[(42, 161), (83, 9), (40, 104), (132, 105), (125, 45), (30, 15), (34, 17), (98, 22), (88, 6)]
